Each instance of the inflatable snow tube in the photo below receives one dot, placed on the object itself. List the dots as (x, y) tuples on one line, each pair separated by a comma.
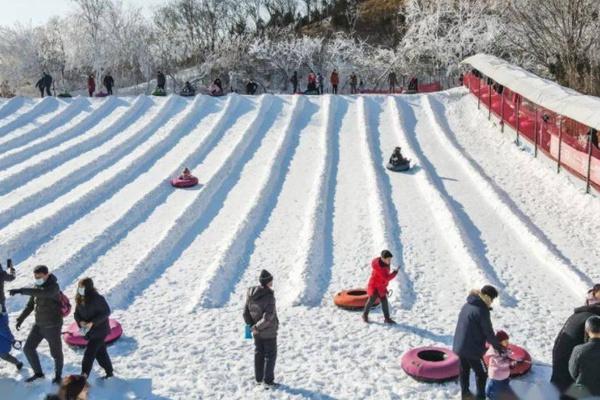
[(184, 183), (353, 299), (159, 92), (64, 95), (101, 94), (518, 354), (187, 94), (431, 364), (398, 168), (73, 337)]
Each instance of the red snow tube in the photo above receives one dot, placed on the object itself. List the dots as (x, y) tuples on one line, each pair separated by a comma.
[(431, 364), (353, 299), (520, 355), (184, 183), (73, 337)]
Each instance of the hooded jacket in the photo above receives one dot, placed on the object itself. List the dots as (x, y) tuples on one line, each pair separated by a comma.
[(45, 301), (474, 329), (260, 312)]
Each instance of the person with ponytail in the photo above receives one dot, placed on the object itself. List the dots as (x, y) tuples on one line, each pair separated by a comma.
[(91, 313)]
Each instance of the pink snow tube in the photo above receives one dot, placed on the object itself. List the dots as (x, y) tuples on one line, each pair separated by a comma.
[(518, 354), (184, 183), (431, 364), (73, 337)]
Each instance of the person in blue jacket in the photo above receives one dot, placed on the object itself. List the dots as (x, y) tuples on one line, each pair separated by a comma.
[(6, 337), (473, 330)]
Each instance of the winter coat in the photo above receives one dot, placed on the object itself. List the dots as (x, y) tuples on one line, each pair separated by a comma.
[(91, 84), (335, 78), (312, 78), (40, 84), (499, 365), (260, 312), (47, 80), (6, 337), (45, 301), (584, 368), (95, 309), (294, 79), (353, 80), (474, 328), (392, 78), (572, 334), (380, 278), (4, 277), (109, 81), (161, 80)]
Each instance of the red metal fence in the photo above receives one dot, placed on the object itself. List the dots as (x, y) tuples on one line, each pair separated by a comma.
[(571, 144)]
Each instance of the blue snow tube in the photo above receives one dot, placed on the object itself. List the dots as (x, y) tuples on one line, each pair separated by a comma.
[(399, 168), (6, 337)]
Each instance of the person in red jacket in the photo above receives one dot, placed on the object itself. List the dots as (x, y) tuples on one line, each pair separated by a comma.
[(91, 85), (335, 81), (378, 283)]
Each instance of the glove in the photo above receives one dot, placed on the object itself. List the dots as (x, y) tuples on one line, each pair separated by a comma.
[(19, 323), (254, 330), (12, 292)]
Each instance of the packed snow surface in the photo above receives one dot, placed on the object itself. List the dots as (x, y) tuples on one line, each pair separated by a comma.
[(295, 185)]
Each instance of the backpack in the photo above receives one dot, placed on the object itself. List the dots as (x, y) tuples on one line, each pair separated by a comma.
[(65, 304)]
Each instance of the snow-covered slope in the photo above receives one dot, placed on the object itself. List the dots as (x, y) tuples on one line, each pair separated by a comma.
[(296, 185)]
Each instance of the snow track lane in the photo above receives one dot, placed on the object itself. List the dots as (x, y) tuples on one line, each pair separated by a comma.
[(130, 160), (11, 107), (43, 109), (89, 123)]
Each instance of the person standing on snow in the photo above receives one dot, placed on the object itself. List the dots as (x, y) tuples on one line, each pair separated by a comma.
[(91, 85), (473, 329), (91, 314), (335, 81), (6, 337), (108, 82), (353, 83), (393, 80), (161, 80), (583, 364), (294, 81), (44, 84), (260, 313), (45, 301), (378, 283), (320, 83)]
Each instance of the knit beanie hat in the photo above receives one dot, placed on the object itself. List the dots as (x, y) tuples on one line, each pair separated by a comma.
[(489, 291), (386, 254), (265, 277), (502, 336)]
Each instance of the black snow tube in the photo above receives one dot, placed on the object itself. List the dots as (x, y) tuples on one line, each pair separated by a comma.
[(399, 167)]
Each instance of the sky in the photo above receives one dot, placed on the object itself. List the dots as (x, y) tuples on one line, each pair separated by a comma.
[(38, 12)]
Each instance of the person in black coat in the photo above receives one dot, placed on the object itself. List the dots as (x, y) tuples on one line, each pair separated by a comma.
[(91, 313), (572, 334), (473, 330), (294, 81), (45, 300), (251, 87), (108, 82), (5, 276), (161, 80), (584, 361)]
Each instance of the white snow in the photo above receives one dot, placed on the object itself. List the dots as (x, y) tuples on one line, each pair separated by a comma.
[(296, 185)]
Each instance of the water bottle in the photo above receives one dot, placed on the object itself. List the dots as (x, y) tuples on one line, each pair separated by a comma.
[(248, 332)]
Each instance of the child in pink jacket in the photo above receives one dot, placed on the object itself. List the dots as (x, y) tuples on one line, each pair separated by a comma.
[(498, 387)]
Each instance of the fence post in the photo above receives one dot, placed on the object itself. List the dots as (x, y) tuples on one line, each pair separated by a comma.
[(560, 133), (489, 102), (589, 166), (478, 93), (502, 112), (535, 129), (517, 116)]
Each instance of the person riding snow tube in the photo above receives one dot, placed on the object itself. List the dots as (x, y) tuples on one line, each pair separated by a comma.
[(185, 180), (397, 161), (215, 90), (188, 90)]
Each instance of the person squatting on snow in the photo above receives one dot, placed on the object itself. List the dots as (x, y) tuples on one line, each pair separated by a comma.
[(91, 85), (397, 158), (44, 300), (216, 89), (44, 83), (261, 314), (161, 80), (294, 81), (571, 335), (584, 364), (6, 337), (473, 329), (186, 175), (73, 387), (91, 314), (378, 283), (108, 83), (498, 387), (335, 81)]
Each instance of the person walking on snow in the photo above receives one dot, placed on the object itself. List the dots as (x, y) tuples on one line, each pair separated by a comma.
[(45, 83), (498, 387), (261, 314), (108, 82), (91, 314), (335, 81), (473, 329), (91, 85), (45, 301), (378, 283), (294, 81), (6, 337)]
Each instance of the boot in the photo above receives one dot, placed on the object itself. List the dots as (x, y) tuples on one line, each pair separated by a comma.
[(389, 321), (365, 318), (34, 377)]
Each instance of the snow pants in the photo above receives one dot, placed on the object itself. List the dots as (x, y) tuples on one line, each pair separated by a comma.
[(96, 350), (334, 89), (265, 355), (477, 365), (385, 307), (52, 336), (9, 358)]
